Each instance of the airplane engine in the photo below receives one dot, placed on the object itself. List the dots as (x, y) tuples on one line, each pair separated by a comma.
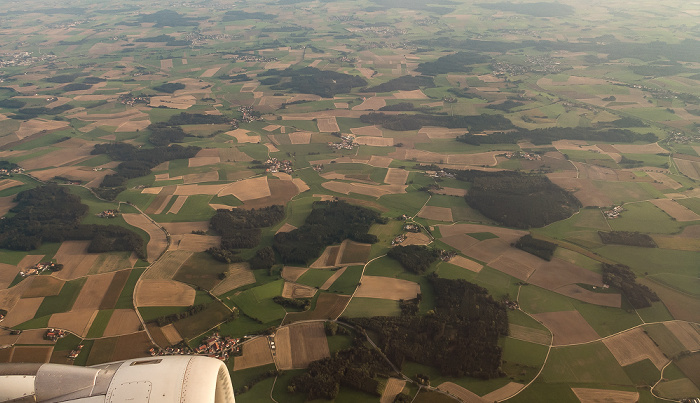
[(181, 379)]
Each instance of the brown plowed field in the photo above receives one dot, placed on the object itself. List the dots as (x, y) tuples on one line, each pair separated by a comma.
[(537, 336), (157, 242), (42, 286), (182, 228), (465, 263), (8, 273), (110, 262), (75, 259), (93, 291), (32, 354), (461, 242), (372, 103), (194, 243), (595, 298), (367, 131), (300, 137), (387, 288), (327, 125), (163, 293), (668, 182), (24, 310), (283, 353), (586, 395), (464, 395), (255, 353), (293, 290), (292, 274), (416, 238), (115, 289), (675, 210), (33, 336), (488, 250), (6, 203), (328, 306), (130, 346), (688, 334), (512, 267), (557, 273), (375, 141), (308, 343), (634, 346), (78, 321), (436, 213), (332, 257), (568, 327), (248, 189), (354, 253), (379, 161), (504, 392), (690, 169), (239, 274), (159, 203), (171, 334), (332, 278), (123, 321), (281, 192)]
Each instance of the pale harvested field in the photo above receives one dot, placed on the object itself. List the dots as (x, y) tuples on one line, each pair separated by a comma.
[(436, 213), (123, 321), (372, 103), (464, 395), (242, 136), (61, 156), (255, 353), (434, 132), (327, 125), (163, 293), (367, 131), (167, 266), (512, 267), (10, 297), (586, 395), (329, 255), (690, 169), (152, 190), (177, 205), (634, 346), (537, 336), (271, 128), (158, 204), (465, 263), (175, 102), (365, 189), (308, 343), (584, 190), (504, 392), (158, 243), (594, 172), (375, 141), (76, 261), (78, 321), (393, 387), (194, 243), (34, 126), (7, 339), (182, 228), (668, 182), (8, 273), (211, 176), (416, 238), (488, 250), (283, 356), (171, 334), (301, 185), (233, 154), (204, 160), (9, 183), (166, 64), (300, 137), (133, 126), (93, 291), (332, 278), (675, 210), (33, 336), (341, 105), (451, 192), (24, 310), (291, 273), (287, 227), (248, 189), (396, 176), (686, 333), (651, 148), (387, 288), (568, 327), (210, 72), (238, 275), (379, 161), (415, 94), (294, 290)]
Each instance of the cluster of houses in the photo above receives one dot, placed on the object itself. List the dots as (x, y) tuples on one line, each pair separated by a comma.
[(347, 143), (274, 165), (131, 100), (398, 239), (17, 170), (54, 334), (74, 353), (248, 115), (523, 155), (613, 213), (22, 59), (440, 174), (214, 346), (108, 214), (512, 305), (254, 58), (411, 227), (447, 255), (40, 268)]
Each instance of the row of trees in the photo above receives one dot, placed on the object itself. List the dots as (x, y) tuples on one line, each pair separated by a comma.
[(538, 247), (330, 222), (405, 122), (548, 135), (627, 238)]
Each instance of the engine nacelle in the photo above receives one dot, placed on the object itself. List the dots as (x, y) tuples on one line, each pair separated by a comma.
[(166, 379)]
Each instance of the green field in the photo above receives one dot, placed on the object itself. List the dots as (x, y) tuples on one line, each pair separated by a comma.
[(588, 363), (364, 307), (257, 302), (348, 281)]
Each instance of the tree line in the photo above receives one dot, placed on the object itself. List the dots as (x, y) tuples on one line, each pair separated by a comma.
[(548, 135), (622, 278), (403, 122), (538, 247)]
